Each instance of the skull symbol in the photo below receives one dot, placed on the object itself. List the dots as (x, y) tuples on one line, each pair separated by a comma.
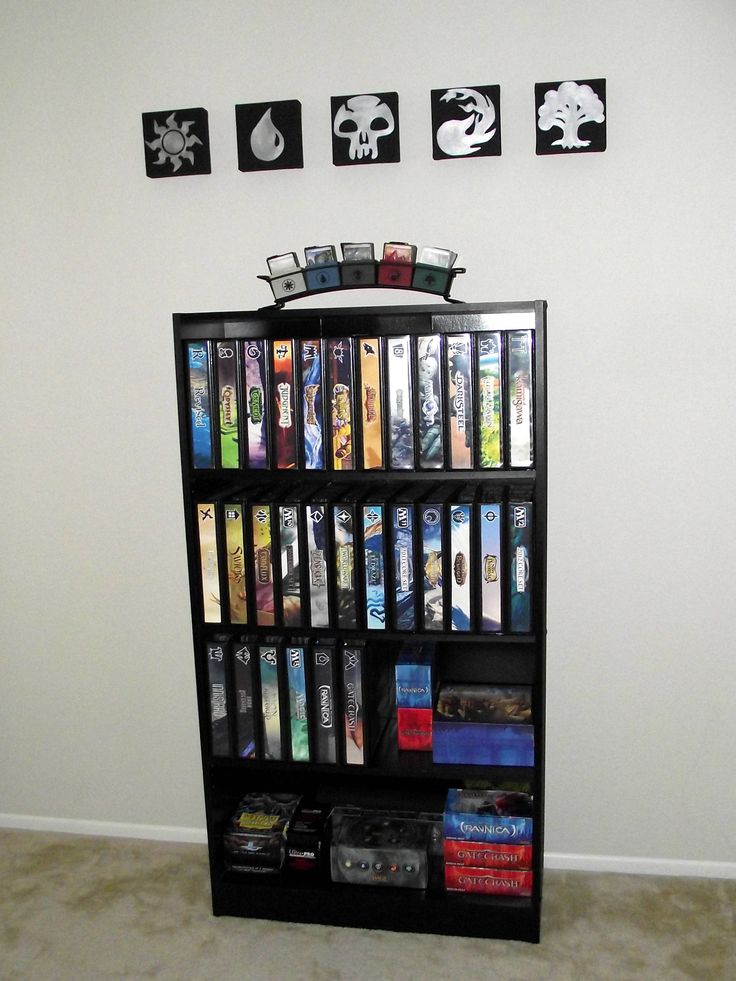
[(363, 120)]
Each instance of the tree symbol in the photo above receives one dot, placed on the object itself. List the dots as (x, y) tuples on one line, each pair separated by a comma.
[(568, 107)]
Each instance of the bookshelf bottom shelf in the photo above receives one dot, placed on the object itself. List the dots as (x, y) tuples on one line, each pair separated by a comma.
[(376, 908)]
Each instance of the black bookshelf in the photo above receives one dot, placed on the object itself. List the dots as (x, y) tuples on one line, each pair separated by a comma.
[(392, 778)]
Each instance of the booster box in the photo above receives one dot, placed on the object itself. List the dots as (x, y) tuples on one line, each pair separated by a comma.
[(496, 817), (254, 838), (483, 855), (492, 882), (483, 725)]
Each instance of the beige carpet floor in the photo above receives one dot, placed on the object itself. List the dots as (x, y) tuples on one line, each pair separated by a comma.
[(97, 908)]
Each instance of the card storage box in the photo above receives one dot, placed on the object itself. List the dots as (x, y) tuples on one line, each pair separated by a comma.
[(413, 674), (485, 855), (432, 271), (495, 817), (288, 286), (430, 279), (358, 267), (379, 849), (414, 729), (483, 725), (397, 266), (306, 839), (491, 882), (322, 271), (255, 836), (414, 696), (358, 273), (394, 274), (323, 278)]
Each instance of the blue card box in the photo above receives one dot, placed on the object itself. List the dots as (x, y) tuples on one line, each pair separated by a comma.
[(468, 824), (414, 680), (322, 277), (482, 743)]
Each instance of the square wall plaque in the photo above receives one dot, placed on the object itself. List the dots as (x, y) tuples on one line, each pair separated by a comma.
[(269, 135), (176, 142)]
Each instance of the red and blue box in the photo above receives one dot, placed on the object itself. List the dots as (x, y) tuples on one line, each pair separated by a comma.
[(488, 842), (414, 695)]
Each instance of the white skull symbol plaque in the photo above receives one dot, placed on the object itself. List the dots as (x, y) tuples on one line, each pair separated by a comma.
[(365, 129)]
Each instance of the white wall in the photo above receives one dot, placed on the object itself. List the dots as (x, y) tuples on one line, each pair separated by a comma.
[(633, 249)]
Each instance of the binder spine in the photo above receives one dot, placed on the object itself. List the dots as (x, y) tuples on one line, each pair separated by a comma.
[(256, 402), (313, 408), (228, 396), (199, 370)]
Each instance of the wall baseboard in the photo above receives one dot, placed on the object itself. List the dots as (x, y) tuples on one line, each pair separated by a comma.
[(684, 868), (105, 829)]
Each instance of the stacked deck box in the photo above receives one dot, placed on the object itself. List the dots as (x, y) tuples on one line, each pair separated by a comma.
[(414, 697), (488, 842)]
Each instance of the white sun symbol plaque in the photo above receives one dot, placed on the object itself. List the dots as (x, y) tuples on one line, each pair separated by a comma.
[(177, 142)]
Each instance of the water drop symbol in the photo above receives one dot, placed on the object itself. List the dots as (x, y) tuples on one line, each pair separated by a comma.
[(266, 142)]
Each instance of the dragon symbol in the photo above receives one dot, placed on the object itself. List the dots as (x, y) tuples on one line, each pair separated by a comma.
[(461, 137)]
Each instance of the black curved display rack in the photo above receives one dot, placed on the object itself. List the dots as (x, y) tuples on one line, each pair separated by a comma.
[(509, 653)]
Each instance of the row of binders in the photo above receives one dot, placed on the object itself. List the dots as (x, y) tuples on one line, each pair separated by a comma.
[(347, 558), (458, 401), (297, 701)]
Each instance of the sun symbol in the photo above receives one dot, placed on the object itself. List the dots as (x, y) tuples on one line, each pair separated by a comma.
[(174, 141)]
